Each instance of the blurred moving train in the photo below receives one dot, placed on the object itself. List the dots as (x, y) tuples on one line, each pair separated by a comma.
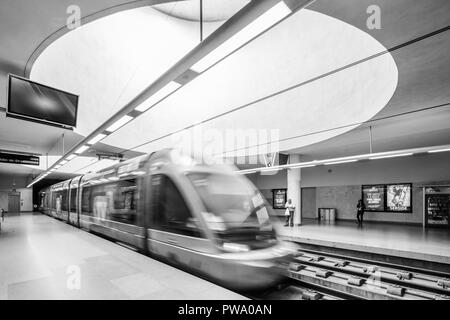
[(202, 217)]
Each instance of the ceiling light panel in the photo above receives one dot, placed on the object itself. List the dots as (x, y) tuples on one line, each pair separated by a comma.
[(158, 96), (119, 123), (97, 138), (81, 149), (259, 25), (392, 156)]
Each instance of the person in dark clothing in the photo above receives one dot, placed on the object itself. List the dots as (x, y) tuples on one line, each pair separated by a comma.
[(360, 207)]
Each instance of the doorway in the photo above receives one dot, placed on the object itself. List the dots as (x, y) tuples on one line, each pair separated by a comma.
[(14, 202)]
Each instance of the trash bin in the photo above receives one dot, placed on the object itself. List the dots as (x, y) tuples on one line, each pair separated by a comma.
[(332, 214), (327, 214)]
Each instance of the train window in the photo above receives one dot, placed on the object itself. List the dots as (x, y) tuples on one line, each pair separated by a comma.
[(170, 212), (73, 200), (64, 200), (53, 200), (115, 201), (86, 205)]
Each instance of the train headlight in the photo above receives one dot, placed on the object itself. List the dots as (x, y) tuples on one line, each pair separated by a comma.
[(235, 247)]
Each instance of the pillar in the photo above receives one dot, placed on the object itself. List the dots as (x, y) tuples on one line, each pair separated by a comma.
[(294, 188)]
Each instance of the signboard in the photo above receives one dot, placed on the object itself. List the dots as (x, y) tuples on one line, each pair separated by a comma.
[(373, 197), (437, 209), (19, 159), (398, 197), (279, 198)]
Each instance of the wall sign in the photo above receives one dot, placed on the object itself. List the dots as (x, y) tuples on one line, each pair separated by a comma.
[(398, 197), (279, 198), (373, 197), (388, 198), (18, 159)]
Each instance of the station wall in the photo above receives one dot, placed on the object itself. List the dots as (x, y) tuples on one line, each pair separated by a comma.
[(7, 184), (339, 186), (3, 200), (265, 184)]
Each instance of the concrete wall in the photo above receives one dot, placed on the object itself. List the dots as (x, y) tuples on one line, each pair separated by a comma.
[(26, 199), (8, 182), (309, 207), (421, 169), (339, 186), (265, 184), (4, 200), (345, 198)]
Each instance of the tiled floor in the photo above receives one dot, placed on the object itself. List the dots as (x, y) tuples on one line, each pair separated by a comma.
[(40, 258), (402, 240)]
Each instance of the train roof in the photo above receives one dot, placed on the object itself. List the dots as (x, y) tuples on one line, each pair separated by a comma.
[(138, 166)]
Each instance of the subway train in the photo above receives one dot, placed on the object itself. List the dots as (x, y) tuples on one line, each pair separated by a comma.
[(204, 218)]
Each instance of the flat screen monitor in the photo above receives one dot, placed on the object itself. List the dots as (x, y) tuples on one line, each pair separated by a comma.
[(29, 100), (398, 197), (373, 197)]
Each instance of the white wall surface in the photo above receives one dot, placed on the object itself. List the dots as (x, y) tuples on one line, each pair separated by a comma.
[(26, 199)]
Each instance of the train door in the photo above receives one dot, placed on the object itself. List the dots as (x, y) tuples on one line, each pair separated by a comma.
[(65, 203), (173, 230), (73, 212), (14, 202)]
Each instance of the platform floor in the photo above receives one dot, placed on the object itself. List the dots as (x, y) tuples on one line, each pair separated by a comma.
[(40, 255), (406, 241)]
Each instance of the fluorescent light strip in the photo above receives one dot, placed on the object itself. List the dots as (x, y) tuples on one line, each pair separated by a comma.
[(256, 27), (249, 172), (270, 169), (339, 162), (303, 166), (81, 149), (439, 150), (158, 96), (97, 138), (119, 123), (72, 156), (63, 162), (391, 156)]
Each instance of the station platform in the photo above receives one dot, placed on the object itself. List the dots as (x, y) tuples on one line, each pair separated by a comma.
[(39, 257), (403, 241)]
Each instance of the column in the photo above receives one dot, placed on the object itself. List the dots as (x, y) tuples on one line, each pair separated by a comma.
[(293, 188)]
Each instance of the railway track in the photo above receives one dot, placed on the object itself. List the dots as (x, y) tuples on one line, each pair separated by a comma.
[(317, 275)]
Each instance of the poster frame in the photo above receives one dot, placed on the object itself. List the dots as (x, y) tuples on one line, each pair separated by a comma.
[(273, 197), (384, 196)]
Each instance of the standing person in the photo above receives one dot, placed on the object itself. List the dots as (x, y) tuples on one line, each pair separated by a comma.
[(3, 214), (289, 213), (360, 207)]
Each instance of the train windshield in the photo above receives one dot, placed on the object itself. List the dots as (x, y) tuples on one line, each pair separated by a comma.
[(235, 209)]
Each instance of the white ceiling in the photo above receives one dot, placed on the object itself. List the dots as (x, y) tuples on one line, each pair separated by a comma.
[(98, 65), (213, 10)]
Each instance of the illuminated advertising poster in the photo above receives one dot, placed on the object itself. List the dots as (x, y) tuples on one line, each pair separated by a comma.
[(373, 196), (279, 198), (398, 197)]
